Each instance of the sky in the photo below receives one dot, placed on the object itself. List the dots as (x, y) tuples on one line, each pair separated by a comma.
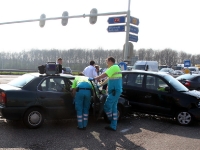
[(173, 24)]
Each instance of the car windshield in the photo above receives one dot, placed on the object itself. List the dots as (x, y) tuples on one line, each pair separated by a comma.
[(192, 69), (176, 84), (139, 67), (164, 70), (185, 76), (22, 80)]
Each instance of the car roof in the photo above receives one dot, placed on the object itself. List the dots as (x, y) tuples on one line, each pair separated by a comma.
[(147, 72), (36, 74)]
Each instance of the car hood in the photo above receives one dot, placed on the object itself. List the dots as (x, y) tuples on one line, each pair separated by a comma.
[(194, 93), (8, 87)]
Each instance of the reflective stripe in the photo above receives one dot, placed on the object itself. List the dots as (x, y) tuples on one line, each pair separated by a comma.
[(108, 113), (118, 73), (79, 116), (115, 78), (85, 118), (114, 114), (80, 121), (114, 118), (85, 114)]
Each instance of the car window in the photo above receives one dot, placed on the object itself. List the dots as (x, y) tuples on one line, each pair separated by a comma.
[(137, 79), (54, 84), (124, 78), (22, 80), (133, 79), (150, 82), (175, 83), (155, 83)]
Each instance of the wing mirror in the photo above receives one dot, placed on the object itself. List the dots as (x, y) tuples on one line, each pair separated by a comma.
[(146, 67)]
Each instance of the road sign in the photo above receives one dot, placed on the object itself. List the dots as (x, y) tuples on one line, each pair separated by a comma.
[(134, 29), (113, 20), (123, 66), (120, 28), (134, 21), (133, 38), (187, 63)]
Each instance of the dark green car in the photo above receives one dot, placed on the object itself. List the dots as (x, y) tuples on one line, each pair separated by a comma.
[(34, 97)]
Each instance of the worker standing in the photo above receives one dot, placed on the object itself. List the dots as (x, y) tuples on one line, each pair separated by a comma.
[(81, 90), (114, 91)]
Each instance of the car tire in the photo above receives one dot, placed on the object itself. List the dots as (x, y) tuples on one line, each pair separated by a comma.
[(119, 113), (184, 118), (33, 118)]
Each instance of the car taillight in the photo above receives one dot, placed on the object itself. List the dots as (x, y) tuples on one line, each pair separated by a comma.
[(187, 83), (3, 98)]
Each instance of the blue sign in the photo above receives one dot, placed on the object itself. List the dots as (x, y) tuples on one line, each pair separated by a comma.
[(120, 28), (134, 21), (123, 66), (133, 38), (187, 63), (134, 29), (120, 19)]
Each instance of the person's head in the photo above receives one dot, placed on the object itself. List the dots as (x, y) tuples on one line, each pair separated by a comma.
[(110, 61), (59, 61), (92, 63), (97, 68)]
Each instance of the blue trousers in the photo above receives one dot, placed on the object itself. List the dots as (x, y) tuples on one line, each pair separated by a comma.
[(82, 106), (110, 108)]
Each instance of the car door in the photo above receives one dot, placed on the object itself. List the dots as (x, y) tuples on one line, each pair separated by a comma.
[(55, 96), (158, 101), (133, 89)]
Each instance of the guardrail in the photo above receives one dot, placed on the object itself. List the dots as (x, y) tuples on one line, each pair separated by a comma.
[(15, 71)]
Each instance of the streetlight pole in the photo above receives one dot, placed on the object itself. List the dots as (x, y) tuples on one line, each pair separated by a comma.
[(127, 32)]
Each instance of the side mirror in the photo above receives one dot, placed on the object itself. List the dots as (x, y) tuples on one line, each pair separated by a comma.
[(146, 67)]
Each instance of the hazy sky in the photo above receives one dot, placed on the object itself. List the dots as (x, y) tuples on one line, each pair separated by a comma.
[(163, 24)]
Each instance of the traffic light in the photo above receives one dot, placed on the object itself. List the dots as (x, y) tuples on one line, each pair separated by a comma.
[(42, 22), (65, 20), (93, 19)]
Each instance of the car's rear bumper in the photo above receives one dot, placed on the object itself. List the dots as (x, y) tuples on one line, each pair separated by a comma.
[(11, 113)]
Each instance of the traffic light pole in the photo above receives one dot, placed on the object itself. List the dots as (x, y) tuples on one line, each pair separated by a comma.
[(65, 17)]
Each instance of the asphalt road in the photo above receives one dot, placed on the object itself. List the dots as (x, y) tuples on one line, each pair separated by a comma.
[(136, 132)]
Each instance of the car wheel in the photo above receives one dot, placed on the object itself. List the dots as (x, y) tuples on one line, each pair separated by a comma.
[(33, 118), (184, 118), (119, 114)]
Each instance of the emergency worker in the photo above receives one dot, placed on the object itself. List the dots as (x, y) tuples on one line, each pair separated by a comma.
[(81, 90), (114, 75)]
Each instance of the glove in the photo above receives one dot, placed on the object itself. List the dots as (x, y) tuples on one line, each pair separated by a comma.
[(90, 79)]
